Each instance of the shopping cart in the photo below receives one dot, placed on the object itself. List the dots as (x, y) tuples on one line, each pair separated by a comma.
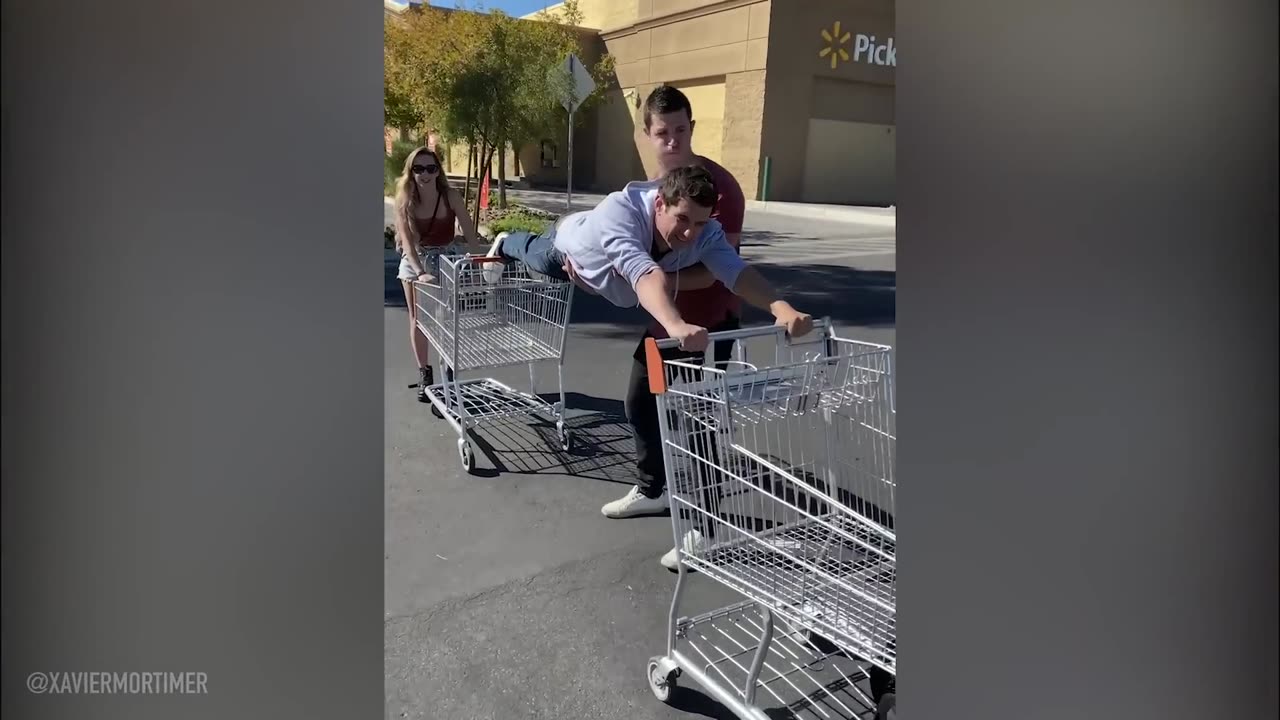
[(481, 313), (781, 480)]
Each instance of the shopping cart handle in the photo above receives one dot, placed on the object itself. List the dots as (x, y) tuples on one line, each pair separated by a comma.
[(819, 325), (653, 346), (481, 259)]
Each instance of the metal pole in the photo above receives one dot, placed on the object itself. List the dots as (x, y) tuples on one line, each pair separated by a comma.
[(568, 201), (764, 181), (573, 103)]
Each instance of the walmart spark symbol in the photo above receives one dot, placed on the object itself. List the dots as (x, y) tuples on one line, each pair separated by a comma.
[(834, 41)]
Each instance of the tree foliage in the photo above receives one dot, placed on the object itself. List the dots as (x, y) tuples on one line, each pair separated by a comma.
[(483, 78)]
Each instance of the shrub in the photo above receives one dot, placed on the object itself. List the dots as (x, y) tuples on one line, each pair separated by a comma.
[(494, 214), (520, 221)]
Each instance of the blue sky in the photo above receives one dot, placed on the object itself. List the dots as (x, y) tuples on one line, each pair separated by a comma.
[(510, 7)]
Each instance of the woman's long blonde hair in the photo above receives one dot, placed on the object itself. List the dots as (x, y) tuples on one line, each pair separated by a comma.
[(408, 197)]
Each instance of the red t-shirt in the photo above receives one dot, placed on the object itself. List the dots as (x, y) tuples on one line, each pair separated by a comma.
[(711, 306)]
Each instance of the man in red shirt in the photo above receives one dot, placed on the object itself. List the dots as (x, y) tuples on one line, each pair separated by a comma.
[(700, 298)]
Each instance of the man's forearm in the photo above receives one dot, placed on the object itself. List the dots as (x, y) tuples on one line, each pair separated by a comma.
[(694, 277), (758, 292), (655, 297)]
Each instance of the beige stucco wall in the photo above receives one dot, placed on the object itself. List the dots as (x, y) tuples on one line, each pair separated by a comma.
[(714, 51), (601, 14), (804, 86), (707, 98), (744, 121), (720, 39)]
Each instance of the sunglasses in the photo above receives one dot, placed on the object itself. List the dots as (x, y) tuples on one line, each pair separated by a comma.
[(419, 169)]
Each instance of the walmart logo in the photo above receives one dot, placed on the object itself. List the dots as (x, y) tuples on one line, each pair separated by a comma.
[(834, 41), (865, 48)]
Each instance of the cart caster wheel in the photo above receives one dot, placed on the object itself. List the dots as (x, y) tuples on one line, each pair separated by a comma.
[(465, 454), (662, 677), (566, 438), (435, 410)]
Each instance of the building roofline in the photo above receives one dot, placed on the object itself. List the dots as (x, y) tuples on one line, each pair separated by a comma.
[(649, 23)]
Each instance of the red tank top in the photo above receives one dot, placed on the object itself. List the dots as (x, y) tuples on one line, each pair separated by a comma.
[(436, 231)]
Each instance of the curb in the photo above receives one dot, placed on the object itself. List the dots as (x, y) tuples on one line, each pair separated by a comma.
[(883, 217)]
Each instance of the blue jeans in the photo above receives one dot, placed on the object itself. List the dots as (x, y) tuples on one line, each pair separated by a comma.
[(537, 252)]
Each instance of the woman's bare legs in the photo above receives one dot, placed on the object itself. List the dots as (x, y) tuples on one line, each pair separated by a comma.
[(421, 351), (418, 341), (421, 348)]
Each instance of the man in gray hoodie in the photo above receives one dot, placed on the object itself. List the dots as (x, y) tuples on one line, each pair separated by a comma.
[(623, 249)]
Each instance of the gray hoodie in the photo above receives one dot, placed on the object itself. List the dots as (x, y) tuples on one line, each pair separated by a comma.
[(610, 245)]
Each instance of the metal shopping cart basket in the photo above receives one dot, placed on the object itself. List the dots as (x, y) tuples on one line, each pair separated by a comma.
[(481, 314), (782, 488)]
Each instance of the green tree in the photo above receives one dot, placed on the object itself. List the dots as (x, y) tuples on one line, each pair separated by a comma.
[(536, 99), (484, 79)]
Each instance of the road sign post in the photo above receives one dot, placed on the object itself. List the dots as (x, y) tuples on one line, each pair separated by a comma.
[(580, 86), (568, 194)]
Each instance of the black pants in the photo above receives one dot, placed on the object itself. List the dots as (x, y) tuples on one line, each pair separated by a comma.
[(642, 410)]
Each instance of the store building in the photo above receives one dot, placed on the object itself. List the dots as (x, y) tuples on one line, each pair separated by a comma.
[(795, 97)]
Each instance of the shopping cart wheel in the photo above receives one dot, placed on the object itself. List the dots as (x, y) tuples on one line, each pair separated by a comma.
[(465, 454), (566, 439), (663, 674)]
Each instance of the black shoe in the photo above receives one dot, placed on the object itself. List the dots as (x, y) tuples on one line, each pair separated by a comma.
[(882, 684), (435, 409), (426, 381), (887, 708)]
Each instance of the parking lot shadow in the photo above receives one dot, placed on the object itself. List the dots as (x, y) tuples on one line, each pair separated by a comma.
[(601, 449), (850, 296)]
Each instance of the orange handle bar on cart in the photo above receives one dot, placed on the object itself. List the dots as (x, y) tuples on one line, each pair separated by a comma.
[(653, 347)]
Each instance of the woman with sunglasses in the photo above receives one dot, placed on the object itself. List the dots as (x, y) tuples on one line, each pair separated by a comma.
[(427, 209)]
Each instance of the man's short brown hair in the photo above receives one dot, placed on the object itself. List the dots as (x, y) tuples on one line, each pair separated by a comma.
[(691, 182), (664, 100)]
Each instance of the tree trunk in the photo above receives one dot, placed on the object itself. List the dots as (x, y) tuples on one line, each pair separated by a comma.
[(475, 209), (502, 178), (471, 154), (486, 150)]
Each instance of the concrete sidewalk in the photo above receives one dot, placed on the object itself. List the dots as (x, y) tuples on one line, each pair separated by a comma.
[(877, 216)]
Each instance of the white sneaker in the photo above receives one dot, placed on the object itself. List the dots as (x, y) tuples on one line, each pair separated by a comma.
[(492, 272), (497, 244), (693, 543), (634, 503)]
